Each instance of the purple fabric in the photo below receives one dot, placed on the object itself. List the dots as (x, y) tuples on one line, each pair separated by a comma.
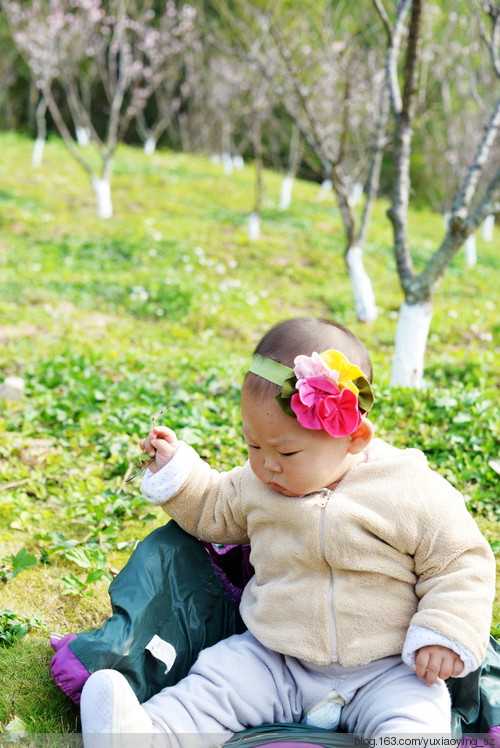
[(478, 743), (290, 744), (494, 732), (232, 564), (67, 670), (59, 643)]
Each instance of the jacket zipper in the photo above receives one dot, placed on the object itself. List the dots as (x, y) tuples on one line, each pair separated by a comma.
[(333, 638), (323, 503)]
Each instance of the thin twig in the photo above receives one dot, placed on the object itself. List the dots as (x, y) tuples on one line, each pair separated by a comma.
[(15, 483), (125, 478), (142, 467), (385, 19)]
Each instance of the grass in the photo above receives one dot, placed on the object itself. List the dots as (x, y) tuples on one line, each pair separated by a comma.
[(108, 321)]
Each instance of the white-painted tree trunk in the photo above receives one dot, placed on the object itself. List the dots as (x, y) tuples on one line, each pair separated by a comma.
[(355, 194), (488, 224), (37, 156), (286, 192), (254, 227), (102, 189), (364, 298), (326, 188), (471, 251), (227, 163), (149, 146), (410, 344), (82, 136), (238, 162)]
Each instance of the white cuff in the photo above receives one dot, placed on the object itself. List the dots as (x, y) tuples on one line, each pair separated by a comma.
[(420, 636), (157, 488)]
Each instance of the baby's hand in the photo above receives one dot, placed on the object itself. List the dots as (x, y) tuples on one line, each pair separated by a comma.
[(435, 661), (161, 443)]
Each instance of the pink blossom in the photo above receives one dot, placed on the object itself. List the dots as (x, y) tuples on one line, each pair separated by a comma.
[(319, 405), (313, 366), (310, 366)]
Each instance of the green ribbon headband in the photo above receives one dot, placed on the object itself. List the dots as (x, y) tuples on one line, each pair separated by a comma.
[(284, 377), (271, 370)]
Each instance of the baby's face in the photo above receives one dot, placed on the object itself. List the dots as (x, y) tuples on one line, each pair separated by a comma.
[(287, 457)]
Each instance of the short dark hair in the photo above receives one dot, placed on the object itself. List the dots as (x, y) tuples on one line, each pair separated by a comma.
[(304, 335)]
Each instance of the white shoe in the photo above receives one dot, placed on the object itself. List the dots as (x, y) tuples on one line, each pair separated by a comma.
[(111, 713)]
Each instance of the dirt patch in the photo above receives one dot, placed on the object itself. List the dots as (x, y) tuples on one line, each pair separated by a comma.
[(95, 323)]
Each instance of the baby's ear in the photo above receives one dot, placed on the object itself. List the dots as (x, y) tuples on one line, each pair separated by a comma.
[(361, 437)]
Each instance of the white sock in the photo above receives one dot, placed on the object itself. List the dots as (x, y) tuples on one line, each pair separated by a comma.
[(109, 706)]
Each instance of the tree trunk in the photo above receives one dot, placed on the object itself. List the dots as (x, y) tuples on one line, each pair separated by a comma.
[(227, 159), (286, 192), (364, 297), (254, 220), (102, 189), (254, 227), (38, 148), (488, 226), (471, 251), (82, 136), (41, 135), (416, 311), (410, 344), (149, 146), (293, 164)]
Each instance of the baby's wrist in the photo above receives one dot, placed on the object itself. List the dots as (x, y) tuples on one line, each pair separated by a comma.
[(160, 461), (159, 485)]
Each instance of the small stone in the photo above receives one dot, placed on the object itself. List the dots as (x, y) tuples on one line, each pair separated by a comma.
[(12, 388)]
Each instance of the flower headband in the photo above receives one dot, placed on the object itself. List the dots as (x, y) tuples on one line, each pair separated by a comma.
[(322, 391)]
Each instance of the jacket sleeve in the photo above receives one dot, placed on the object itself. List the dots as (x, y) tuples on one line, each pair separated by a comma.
[(455, 570), (204, 502), (418, 636)]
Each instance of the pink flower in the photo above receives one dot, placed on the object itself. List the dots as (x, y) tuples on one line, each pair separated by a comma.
[(310, 366), (318, 404)]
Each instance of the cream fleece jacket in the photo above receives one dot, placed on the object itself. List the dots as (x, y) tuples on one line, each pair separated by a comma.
[(341, 575)]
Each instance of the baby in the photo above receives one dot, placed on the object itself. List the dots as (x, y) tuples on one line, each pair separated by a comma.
[(372, 584)]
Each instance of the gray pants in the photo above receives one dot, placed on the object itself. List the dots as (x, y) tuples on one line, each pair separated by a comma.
[(238, 683)]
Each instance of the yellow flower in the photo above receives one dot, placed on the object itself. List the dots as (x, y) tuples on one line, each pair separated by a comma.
[(347, 371)]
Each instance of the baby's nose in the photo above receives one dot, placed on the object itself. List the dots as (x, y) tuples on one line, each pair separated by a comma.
[(271, 464)]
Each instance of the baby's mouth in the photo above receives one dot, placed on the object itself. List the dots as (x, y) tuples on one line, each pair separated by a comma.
[(276, 486)]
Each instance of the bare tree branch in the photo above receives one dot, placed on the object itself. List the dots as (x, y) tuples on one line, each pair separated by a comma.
[(385, 20), (463, 200), (492, 40), (452, 242), (64, 131), (311, 132), (395, 39), (398, 212), (373, 181), (488, 205), (416, 310)]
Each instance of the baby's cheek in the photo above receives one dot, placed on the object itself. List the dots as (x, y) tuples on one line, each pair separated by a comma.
[(253, 463)]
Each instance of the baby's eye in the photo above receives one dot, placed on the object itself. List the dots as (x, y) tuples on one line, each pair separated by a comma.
[(288, 454), (252, 446)]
